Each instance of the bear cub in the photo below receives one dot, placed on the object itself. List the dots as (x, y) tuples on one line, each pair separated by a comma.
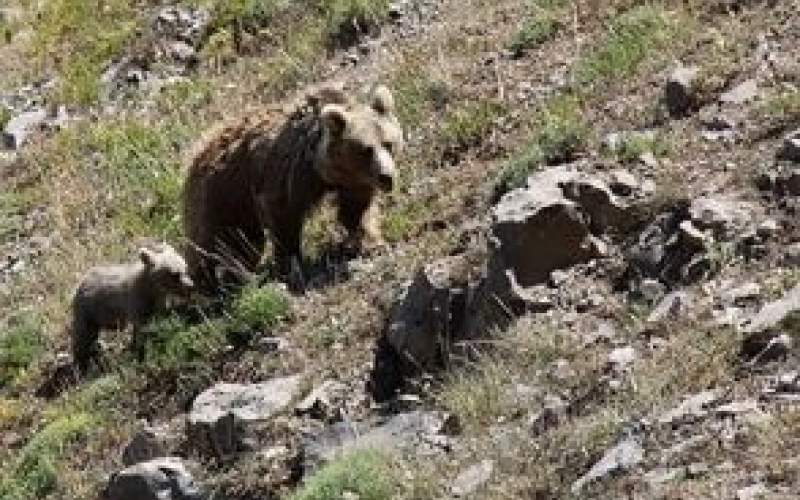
[(115, 296)]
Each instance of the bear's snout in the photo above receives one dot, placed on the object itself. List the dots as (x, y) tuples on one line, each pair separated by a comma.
[(384, 170), (186, 283)]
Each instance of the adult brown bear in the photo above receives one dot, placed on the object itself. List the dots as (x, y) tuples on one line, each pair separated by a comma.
[(270, 171)]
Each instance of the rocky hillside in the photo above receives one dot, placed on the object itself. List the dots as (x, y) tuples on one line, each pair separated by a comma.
[(590, 288)]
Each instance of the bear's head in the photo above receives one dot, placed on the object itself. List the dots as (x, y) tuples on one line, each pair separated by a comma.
[(360, 142), (167, 269)]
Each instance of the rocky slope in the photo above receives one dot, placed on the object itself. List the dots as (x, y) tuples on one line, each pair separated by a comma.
[(591, 288)]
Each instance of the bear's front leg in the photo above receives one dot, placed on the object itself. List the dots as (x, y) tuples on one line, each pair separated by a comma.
[(360, 215)]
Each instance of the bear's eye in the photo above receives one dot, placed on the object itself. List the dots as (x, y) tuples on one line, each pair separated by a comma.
[(388, 146)]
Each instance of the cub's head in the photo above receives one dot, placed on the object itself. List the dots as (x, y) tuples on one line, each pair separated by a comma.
[(167, 268), (360, 142)]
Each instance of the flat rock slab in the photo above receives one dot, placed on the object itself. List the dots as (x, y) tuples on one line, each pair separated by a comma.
[(772, 314), (418, 430), (220, 415), (472, 479)]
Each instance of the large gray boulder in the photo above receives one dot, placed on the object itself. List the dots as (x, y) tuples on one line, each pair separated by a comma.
[(164, 478), (222, 415)]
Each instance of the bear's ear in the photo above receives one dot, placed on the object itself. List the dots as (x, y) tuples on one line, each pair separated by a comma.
[(334, 118), (382, 100), (147, 256)]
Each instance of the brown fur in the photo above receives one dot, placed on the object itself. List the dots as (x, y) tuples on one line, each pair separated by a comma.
[(261, 174)]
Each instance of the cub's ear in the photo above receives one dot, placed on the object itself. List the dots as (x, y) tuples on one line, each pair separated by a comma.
[(147, 256), (334, 118), (382, 100)]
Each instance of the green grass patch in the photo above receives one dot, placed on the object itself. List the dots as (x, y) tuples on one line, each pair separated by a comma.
[(364, 473), (172, 341), (467, 123), (631, 147), (632, 38), (13, 207), (21, 342), (784, 106), (536, 30), (78, 38), (125, 172), (34, 473), (417, 92), (559, 135)]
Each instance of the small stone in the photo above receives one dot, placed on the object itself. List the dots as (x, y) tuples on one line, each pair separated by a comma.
[(696, 470), (741, 94), (472, 479), (691, 408), (736, 408), (652, 290), (768, 229), (752, 492), (791, 255), (670, 307), (621, 358), (625, 455), (553, 410), (742, 295), (662, 475), (319, 404), (19, 129)]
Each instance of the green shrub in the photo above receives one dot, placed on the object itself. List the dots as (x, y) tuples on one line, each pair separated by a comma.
[(259, 307), (535, 31), (632, 146), (171, 341), (21, 342), (467, 123), (33, 474), (364, 473)]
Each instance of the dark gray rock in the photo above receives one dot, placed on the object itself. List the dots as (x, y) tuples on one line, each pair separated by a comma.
[(554, 409), (765, 346), (220, 416), (790, 150), (160, 479), (150, 443), (429, 317), (681, 89), (182, 23), (624, 456)]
